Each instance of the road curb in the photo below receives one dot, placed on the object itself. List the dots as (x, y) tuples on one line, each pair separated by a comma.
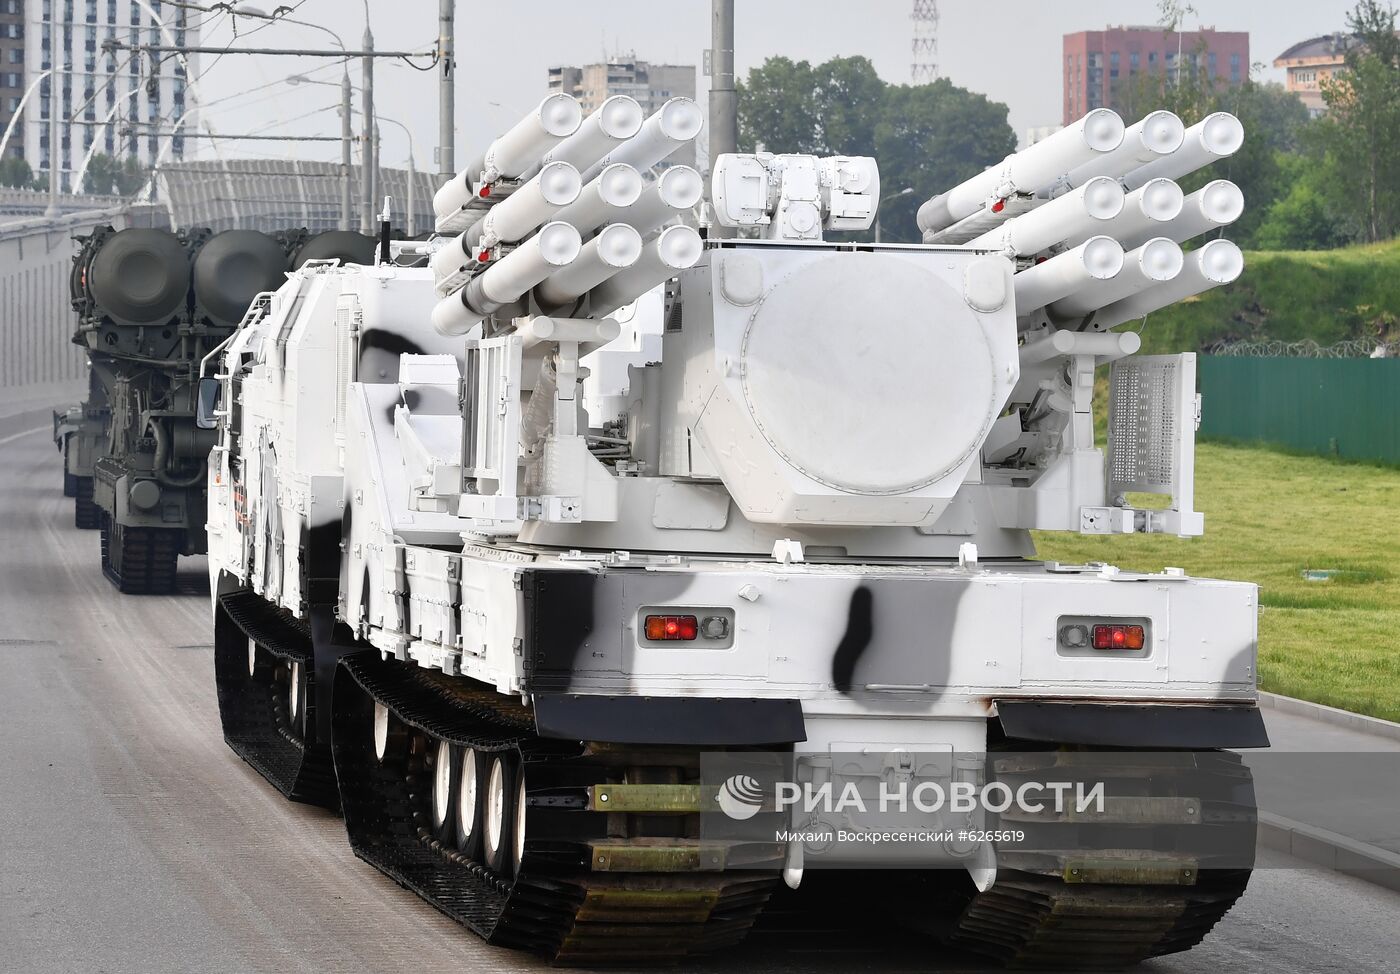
[(1331, 850), (1330, 715)]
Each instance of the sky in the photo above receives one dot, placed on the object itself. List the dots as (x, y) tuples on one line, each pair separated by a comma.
[(1007, 49)]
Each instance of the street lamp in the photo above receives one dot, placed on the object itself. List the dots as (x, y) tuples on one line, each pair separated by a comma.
[(346, 131), (347, 135), (19, 111), (893, 196)]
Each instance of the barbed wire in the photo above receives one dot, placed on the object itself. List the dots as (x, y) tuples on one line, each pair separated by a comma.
[(1307, 348)]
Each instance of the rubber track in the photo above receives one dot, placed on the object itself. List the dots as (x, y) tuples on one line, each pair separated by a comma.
[(148, 558), (1039, 921), (253, 711), (86, 514), (553, 906)]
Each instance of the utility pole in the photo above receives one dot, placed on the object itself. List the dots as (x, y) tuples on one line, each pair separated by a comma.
[(447, 79), (724, 100), (410, 219), (347, 161), (55, 101), (367, 159)]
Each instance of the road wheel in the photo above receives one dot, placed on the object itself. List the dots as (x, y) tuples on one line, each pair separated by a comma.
[(500, 814), (471, 792)]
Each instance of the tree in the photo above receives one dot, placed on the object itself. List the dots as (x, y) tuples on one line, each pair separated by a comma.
[(926, 137), (778, 108), (106, 176), (1302, 218), (930, 138), (848, 100), (1360, 135), (15, 172), (1275, 122)]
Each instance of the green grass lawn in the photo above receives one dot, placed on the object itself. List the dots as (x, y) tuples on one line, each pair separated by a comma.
[(1269, 517)]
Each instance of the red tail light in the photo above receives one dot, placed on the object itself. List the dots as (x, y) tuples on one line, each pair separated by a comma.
[(662, 628), (1118, 637)]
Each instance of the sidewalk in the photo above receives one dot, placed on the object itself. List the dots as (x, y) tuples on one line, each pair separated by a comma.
[(23, 408), (1329, 789)]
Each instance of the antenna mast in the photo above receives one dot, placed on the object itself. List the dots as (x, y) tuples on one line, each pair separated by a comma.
[(923, 67)]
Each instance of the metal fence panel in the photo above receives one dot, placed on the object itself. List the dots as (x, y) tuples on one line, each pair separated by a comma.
[(1347, 408)]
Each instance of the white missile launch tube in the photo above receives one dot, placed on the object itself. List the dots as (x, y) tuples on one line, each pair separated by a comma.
[(451, 258), (1214, 205), (1217, 262), (586, 331), (1147, 211), (616, 247), (1113, 345), (1156, 135), (554, 119), (452, 194), (663, 256), (669, 127), (616, 120), (1027, 171), (555, 246), (606, 197), (1077, 214), (554, 186), (675, 191), (1216, 136), (1096, 259), (1155, 262)]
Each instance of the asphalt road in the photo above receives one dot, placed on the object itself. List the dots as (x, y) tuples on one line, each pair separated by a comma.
[(132, 839)]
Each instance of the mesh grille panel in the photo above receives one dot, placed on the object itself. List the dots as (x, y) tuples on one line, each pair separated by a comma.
[(1144, 424)]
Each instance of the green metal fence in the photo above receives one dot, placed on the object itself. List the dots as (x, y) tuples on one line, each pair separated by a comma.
[(1346, 408)]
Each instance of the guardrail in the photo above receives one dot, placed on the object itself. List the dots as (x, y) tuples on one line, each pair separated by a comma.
[(36, 318)]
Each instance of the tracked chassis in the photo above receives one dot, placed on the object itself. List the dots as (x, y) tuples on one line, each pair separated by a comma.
[(525, 534), (633, 883)]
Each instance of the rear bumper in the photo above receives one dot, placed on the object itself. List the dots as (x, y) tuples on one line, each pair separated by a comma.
[(721, 722), (701, 721), (1132, 725)]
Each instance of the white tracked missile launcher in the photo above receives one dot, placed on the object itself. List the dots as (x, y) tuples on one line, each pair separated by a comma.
[(517, 531)]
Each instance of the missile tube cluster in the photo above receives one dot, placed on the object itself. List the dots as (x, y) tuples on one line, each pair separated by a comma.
[(570, 212), (1102, 238)]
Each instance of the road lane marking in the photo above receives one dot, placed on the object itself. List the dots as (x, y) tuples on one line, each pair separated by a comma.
[(15, 436)]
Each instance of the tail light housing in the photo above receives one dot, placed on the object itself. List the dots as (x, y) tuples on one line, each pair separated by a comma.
[(668, 628), (1119, 637), (1090, 636)]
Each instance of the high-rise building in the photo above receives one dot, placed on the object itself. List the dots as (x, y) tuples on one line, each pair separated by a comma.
[(650, 84), (11, 67), (1100, 66), (126, 103), (1309, 63)]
